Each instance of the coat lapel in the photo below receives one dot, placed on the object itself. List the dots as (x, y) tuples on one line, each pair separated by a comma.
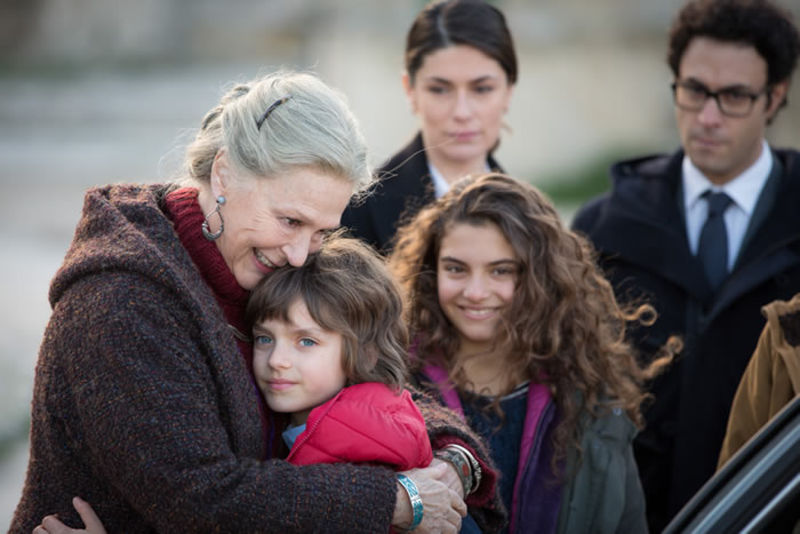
[(766, 253), (643, 225), (404, 177), (405, 184)]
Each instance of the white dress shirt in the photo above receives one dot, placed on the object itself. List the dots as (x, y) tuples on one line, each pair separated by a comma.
[(744, 190), (440, 185)]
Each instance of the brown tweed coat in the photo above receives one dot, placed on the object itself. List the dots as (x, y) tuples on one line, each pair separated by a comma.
[(143, 406)]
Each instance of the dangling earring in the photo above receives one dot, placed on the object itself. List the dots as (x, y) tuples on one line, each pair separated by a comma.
[(208, 234)]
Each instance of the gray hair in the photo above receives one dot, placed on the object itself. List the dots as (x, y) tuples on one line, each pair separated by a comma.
[(312, 128)]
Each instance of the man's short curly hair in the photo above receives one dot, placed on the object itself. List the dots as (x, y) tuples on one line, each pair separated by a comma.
[(759, 23)]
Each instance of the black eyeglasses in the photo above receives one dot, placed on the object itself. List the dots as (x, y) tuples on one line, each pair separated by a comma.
[(731, 101)]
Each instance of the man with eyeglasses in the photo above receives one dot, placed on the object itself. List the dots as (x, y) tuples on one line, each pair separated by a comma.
[(708, 234)]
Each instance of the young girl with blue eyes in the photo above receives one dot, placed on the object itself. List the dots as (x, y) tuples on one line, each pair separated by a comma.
[(329, 350)]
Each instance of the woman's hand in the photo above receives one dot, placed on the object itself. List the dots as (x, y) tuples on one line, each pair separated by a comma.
[(52, 525), (451, 477), (443, 507)]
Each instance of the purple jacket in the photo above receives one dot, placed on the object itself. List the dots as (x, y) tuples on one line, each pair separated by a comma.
[(603, 496)]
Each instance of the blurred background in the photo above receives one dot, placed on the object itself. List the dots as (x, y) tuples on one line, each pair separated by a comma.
[(101, 91)]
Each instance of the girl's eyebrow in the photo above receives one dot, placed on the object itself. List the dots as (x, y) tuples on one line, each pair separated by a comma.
[(495, 262), (450, 259), (296, 330), (308, 332), (258, 329), (503, 262)]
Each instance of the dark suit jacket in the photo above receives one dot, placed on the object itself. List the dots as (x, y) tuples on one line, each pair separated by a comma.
[(404, 186), (639, 231)]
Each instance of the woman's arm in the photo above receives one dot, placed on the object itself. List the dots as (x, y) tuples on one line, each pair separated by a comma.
[(154, 412), (442, 509), (445, 427), (146, 411)]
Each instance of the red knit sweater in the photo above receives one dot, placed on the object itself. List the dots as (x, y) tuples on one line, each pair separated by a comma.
[(187, 217), (184, 210)]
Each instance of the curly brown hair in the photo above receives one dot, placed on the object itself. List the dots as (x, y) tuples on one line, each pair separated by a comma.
[(762, 24), (564, 327), (347, 289)]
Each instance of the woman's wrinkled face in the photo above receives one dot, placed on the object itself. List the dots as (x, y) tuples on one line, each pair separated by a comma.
[(460, 95), (477, 271), (272, 221)]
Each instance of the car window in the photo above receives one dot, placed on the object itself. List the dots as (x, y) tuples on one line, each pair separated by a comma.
[(758, 490)]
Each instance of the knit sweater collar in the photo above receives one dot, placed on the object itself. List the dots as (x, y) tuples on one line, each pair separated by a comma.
[(184, 209)]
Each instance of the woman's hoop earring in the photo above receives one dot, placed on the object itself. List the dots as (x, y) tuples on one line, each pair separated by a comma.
[(207, 233)]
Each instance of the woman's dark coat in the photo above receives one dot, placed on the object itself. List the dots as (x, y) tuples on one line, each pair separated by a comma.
[(403, 187)]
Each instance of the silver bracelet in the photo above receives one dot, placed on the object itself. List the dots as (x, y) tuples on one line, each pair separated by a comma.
[(476, 466), (413, 496), (460, 463)]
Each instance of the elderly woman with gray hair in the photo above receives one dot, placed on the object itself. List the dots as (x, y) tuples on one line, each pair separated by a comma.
[(144, 402)]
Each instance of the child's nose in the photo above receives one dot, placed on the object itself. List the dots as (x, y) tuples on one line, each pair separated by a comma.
[(278, 359)]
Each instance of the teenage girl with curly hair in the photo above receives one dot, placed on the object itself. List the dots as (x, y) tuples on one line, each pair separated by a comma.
[(516, 328)]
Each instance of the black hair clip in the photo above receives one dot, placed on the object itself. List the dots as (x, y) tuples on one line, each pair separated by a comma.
[(270, 109)]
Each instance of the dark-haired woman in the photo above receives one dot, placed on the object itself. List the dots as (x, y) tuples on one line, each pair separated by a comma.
[(460, 71)]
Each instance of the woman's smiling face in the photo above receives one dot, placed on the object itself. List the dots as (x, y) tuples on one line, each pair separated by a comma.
[(477, 273), (272, 221)]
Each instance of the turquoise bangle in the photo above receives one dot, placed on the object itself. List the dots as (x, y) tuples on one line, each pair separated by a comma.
[(413, 496)]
